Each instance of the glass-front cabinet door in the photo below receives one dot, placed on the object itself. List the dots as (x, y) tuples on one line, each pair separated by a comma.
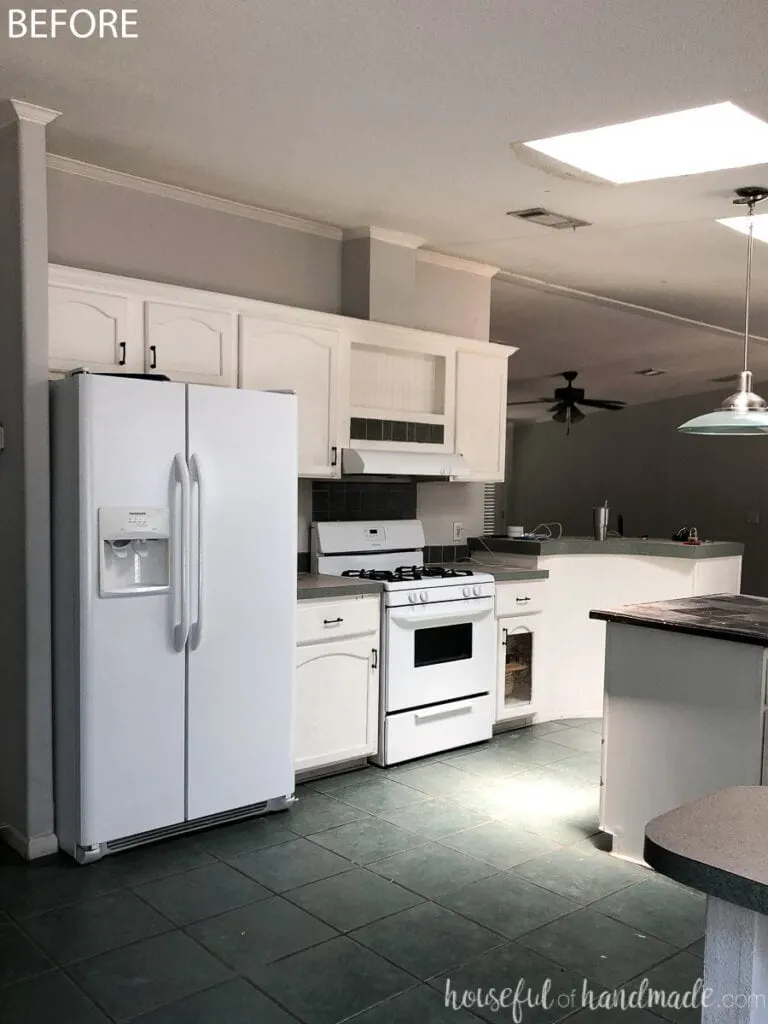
[(516, 668)]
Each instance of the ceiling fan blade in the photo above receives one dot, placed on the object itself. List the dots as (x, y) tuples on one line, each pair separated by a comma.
[(532, 401), (602, 403)]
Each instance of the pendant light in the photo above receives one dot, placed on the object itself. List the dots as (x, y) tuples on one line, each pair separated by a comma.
[(743, 412)]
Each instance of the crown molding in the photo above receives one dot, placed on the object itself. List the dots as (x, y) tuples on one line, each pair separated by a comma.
[(385, 235), (68, 165), (441, 259), (18, 110)]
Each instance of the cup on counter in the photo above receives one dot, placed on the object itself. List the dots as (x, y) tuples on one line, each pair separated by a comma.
[(600, 522), (515, 531)]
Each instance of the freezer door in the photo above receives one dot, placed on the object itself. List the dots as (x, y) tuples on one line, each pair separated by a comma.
[(243, 463), (132, 679)]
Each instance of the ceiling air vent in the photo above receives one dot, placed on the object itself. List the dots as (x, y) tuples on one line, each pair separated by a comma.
[(728, 379), (650, 372), (548, 219)]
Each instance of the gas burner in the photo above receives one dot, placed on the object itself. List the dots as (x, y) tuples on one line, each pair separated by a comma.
[(426, 572), (380, 575)]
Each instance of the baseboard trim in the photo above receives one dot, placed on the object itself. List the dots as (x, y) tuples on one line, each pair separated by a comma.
[(30, 849)]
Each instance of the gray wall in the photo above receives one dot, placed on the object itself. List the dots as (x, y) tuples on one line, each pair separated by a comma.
[(26, 797), (118, 230), (656, 477), (452, 301)]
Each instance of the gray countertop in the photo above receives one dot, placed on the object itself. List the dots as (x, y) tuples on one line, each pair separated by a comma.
[(309, 586), (716, 845), (501, 571), (737, 617), (658, 548)]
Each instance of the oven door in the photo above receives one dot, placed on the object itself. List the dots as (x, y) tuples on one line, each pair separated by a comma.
[(438, 651)]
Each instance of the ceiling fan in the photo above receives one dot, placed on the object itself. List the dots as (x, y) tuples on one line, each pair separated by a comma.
[(568, 399)]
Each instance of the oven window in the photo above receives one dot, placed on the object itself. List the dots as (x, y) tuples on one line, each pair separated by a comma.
[(440, 644)]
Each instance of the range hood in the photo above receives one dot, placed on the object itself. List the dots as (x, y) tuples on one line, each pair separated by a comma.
[(382, 462)]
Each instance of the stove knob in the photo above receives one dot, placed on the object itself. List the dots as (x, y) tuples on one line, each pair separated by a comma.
[(413, 598), (467, 591), (476, 590), (423, 596)]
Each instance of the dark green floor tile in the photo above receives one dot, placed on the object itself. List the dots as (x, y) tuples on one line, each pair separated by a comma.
[(493, 762), (353, 899), (508, 904), (427, 939), (421, 1005), (432, 870), (19, 958), (96, 926), (499, 844), (494, 797), (434, 818), (360, 979), (605, 951), (508, 967), (51, 997), (596, 1015), (138, 978), (260, 933), (438, 779), (316, 812), (582, 766), (379, 795), (696, 948), (158, 860), (679, 974), (367, 840), (235, 1002), (585, 740), (202, 893), (244, 836), (667, 911), (30, 888), (581, 874), (333, 783), (290, 865)]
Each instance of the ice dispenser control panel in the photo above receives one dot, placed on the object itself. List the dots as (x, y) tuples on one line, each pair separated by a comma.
[(134, 551)]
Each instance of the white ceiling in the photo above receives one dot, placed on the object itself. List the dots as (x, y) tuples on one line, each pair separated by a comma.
[(400, 113)]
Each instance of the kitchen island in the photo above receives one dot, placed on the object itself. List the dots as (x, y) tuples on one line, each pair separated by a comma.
[(586, 574), (684, 711)]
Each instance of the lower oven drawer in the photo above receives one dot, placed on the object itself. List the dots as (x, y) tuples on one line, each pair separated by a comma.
[(410, 734)]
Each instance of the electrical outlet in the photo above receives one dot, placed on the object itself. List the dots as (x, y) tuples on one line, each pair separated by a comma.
[(753, 516), (458, 533)]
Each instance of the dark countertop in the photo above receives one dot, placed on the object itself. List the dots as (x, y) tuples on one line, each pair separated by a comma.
[(500, 571), (717, 845), (737, 617), (658, 548), (309, 586)]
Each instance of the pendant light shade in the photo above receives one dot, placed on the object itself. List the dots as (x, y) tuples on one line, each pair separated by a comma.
[(743, 412)]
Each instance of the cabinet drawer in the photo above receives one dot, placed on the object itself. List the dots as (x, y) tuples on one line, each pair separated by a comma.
[(519, 598), (412, 734), (329, 620)]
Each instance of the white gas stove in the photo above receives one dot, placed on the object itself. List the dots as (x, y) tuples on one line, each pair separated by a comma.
[(438, 645)]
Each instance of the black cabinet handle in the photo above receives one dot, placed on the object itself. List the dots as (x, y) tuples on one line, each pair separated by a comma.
[(522, 600), (331, 622), (334, 455), (121, 349), (505, 634), (374, 658), (153, 361)]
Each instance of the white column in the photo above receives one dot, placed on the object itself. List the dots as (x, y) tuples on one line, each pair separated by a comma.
[(735, 965)]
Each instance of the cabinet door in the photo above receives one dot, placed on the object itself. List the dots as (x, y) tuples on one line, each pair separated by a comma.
[(191, 343), (278, 355), (337, 702), (515, 692), (98, 330), (481, 414)]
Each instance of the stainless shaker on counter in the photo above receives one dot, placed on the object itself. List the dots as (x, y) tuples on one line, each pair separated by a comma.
[(600, 521)]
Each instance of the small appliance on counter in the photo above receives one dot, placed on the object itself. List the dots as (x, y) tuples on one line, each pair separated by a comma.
[(687, 535)]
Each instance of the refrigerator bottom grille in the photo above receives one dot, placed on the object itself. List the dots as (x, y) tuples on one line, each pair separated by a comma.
[(182, 827)]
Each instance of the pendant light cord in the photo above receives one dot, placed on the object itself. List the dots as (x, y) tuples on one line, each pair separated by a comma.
[(750, 247)]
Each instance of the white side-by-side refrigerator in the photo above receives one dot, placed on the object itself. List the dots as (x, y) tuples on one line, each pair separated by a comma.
[(174, 551)]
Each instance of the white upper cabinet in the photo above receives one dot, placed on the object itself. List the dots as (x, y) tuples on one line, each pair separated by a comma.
[(93, 329), (292, 355), (481, 410), (191, 343)]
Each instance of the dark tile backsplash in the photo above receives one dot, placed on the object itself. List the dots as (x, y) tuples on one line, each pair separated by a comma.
[(445, 553), (334, 500), (395, 430)]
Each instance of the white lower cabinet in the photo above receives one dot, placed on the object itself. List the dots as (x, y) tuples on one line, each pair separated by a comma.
[(337, 685), (519, 633)]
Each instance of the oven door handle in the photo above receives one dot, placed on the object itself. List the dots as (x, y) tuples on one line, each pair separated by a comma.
[(439, 617)]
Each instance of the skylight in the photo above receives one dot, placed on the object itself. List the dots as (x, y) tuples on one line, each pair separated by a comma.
[(741, 224), (711, 138)]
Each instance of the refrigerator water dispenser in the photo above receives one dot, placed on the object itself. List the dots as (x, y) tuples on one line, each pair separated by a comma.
[(134, 551)]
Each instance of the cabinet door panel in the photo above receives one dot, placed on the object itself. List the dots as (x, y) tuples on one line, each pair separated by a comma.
[(516, 691), (481, 414), (282, 356), (191, 343), (336, 702), (92, 329)]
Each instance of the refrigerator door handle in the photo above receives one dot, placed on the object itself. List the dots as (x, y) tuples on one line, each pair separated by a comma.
[(181, 475), (196, 476)]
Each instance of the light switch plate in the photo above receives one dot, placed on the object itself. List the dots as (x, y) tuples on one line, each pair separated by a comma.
[(458, 533)]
